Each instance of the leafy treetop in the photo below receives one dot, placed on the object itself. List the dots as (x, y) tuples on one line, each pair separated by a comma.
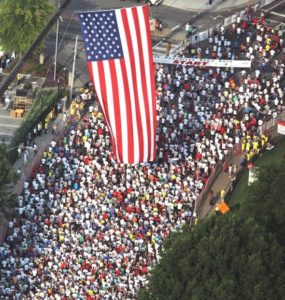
[(21, 22)]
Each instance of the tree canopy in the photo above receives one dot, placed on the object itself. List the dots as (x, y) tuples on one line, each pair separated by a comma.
[(7, 178), (21, 22), (266, 200), (235, 256)]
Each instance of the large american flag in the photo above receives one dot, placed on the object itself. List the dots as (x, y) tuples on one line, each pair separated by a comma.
[(119, 57)]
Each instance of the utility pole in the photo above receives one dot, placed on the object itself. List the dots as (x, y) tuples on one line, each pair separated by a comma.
[(56, 44), (73, 68)]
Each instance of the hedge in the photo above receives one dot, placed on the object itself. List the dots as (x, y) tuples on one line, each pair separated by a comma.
[(43, 103)]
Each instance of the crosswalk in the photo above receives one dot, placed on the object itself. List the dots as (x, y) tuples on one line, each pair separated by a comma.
[(274, 12), (167, 47), (171, 44)]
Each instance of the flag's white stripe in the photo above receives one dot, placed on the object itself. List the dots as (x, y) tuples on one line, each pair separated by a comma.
[(97, 87), (110, 102), (129, 65), (137, 63), (123, 110), (147, 76)]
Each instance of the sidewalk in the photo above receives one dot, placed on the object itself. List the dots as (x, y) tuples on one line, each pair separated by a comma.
[(222, 182), (202, 16), (42, 143), (203, 5)]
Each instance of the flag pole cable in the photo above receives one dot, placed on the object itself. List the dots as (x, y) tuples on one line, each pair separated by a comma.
[(73, 68), (56, 45), (67, 27)]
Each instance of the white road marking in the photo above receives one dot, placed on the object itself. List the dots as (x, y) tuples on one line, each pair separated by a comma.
[(277, 14), (175, 27), (11, 118), (9, 125), (6, 133), (269, 10)]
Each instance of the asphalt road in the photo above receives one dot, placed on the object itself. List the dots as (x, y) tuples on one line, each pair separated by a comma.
[(175, 20), (8, 126), (69, 28), (275, 12)]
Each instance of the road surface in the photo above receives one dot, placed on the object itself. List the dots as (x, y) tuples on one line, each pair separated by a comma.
[(174, 18)]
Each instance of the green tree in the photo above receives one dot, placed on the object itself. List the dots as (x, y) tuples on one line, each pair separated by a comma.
[(266, 200), (7, 179), (222, 258), (236, 256), (21, 22)]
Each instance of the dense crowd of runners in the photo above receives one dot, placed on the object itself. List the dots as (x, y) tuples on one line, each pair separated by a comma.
[(86, 227)]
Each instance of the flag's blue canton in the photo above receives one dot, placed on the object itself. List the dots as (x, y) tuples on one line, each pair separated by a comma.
[(101, 35)]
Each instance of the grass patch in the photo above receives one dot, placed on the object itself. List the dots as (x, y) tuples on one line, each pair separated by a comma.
[(239, 194)]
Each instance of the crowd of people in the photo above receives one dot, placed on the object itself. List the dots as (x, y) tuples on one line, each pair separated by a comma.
[(87, 227), (5, 59)]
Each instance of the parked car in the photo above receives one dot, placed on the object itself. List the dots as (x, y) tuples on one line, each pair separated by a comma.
[(151, 2)]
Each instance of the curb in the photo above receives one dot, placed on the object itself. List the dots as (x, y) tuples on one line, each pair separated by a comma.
[(216, 9)]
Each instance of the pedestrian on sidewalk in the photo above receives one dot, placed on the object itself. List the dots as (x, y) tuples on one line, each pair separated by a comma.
[(212, 198), (35, 148), (156, 25), (222, 194), (188, 29), (35, 131), (46, 125), (230, 170), (217, 209), (25, 157), (53, 144), (7, 103), (39, 128), (19, 171), (19, 151), (225, 167), (29, 139)]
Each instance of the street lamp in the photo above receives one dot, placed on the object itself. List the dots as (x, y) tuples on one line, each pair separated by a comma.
[(56, 44)]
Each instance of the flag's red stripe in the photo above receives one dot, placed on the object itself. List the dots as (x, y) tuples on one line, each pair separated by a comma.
[(129, 112), (101, 74), (143, 78), (151, 71), (91, 74), (90, 70), (114, 84), (135, 87)]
